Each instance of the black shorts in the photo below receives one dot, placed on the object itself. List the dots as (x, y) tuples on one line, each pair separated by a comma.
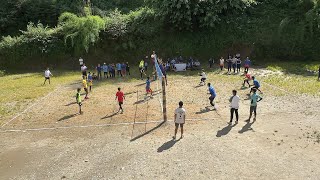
[(79, 103), (47, 77), (85, 89), (84, 73), (212, 97), (203, 79), (120, 103), (177, 125)]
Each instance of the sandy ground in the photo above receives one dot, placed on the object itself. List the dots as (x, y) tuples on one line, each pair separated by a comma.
[(50, 142)]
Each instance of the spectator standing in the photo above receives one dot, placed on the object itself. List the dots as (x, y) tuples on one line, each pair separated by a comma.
[(84, 69), (146, 66), (105, 69), (221, 63), (47, 75), (99, 69), (211, 62), (119, 68), (127, 68), (81, 61), (123, 69), (238, 65), (247, 64)]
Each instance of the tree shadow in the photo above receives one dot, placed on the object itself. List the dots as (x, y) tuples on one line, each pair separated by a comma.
[(110, 116), (67, 117), (225, 130), (206, 110), (247, 127), (148, 132), (167, 145), (72, 103)]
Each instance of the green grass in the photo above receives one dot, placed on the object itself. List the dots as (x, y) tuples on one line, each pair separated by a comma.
[(19, 89), (298, 68)]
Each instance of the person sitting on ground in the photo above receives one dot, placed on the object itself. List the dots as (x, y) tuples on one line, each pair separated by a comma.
[(247, 79), (256, 85), (179, 119), (203, 78), (47, 75)]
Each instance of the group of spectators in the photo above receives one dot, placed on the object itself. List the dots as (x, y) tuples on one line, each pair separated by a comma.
[(106, 70), (233, 63)]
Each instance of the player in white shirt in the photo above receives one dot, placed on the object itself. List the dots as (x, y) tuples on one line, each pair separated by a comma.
[(234, 105), (203, 78), (47, 75), (179, 119), (84, 70)]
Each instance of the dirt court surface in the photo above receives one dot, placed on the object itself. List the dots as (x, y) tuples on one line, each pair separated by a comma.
[(49, 141)]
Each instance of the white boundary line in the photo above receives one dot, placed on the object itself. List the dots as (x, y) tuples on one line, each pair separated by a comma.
[(89, 126), (35, 103)]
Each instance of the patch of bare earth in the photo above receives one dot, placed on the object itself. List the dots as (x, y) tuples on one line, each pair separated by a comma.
[(54, 143)]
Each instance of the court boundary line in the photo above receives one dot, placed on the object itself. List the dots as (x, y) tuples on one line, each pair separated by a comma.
[(97, 125), (28, 108)]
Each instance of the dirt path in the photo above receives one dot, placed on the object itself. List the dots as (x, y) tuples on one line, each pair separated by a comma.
[(282, 144)]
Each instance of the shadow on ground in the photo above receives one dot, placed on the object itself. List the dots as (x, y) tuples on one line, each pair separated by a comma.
[(247, 127), (167, 145), (225, 130)]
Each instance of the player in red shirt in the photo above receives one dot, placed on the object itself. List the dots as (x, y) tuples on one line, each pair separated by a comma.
[(247, 78), (120, 97)]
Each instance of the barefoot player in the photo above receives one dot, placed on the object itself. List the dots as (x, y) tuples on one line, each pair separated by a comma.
[(179, 119)]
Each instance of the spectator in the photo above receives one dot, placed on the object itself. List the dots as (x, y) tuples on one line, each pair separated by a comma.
[(119, 68), (81, 62), (127, 68), (123, 69), (221, 63), (146, 66), (211, 62), (99, 69), (105, 69), (247, 64), (84, 69)]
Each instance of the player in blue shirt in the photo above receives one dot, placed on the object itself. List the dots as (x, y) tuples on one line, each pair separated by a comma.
[(256, 85), (255, 98), (212, 94), (148, 86)]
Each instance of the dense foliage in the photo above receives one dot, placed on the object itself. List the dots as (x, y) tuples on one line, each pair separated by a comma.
[(57, 30)]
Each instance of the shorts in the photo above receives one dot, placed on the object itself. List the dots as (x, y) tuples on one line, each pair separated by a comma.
[(84, 73), (85, 89), (177, 125), (255, 87), (148, 90), (47, 77), (238, 65), (203, 79), (120, 103), (90, 83), (253, 108), (212, 97), (79, 103)]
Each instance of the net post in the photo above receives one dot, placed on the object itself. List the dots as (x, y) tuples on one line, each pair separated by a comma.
[(164, 101)]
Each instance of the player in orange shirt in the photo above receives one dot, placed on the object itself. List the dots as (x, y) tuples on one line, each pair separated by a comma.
[(247, 78), (120, 97)]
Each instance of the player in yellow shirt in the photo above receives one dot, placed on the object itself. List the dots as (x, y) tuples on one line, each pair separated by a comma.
[(78, 99), (85, 86)]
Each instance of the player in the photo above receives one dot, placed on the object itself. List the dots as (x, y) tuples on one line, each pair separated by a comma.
[(247, 78), (90, 79), (148, 88), (120, 97), (85, 86), (203, 78), (234, 100), (256, 85), (84, 69), (255, 98), (212, 95), (179, 119), (78, 99), (47, 75)]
